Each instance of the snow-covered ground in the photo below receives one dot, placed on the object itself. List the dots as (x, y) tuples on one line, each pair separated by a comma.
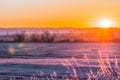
[(55, 61)]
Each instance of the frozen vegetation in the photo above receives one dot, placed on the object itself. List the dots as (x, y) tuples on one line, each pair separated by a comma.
[(60, 35), (59, 61)]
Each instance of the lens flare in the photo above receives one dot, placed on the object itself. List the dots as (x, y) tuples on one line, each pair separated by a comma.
[(11, 50)]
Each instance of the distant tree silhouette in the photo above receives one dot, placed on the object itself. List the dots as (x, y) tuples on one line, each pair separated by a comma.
[(20, 37), (47, 37)]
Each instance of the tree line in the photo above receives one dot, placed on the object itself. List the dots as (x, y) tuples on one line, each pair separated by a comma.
[(71, 36)]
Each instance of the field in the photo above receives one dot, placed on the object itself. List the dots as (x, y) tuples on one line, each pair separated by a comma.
[(59, 61)]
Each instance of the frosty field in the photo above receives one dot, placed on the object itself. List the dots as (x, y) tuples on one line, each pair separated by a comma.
[(59, 61)]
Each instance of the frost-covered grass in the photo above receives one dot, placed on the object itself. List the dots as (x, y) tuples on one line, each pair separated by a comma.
[(75, 69), (59, 61)]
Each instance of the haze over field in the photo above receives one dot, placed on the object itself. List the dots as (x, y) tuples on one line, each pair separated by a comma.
[(57, 13)]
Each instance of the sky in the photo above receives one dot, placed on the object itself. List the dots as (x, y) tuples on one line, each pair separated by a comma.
[(57, 13)]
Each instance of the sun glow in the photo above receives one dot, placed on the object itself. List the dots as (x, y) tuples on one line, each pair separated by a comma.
[(105, 23)]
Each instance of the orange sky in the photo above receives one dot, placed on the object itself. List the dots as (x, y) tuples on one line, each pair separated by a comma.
[(57, 13)]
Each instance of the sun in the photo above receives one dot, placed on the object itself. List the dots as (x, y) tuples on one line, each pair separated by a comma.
[(105, 23)]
